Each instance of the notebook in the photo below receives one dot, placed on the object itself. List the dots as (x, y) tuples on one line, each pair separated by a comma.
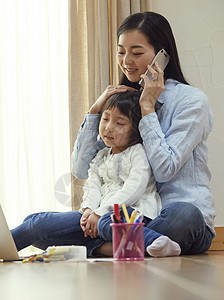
[(8, 250)]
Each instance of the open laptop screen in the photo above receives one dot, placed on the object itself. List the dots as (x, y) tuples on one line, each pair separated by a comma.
[(8, 250)]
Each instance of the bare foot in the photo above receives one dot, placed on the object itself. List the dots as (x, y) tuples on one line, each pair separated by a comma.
[(105, 250)]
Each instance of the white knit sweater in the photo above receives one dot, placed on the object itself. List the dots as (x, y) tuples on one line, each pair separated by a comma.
[(120, 178)]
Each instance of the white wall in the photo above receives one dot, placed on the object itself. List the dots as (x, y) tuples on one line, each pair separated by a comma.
[(198, 27)]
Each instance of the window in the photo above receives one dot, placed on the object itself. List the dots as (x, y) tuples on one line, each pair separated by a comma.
[(34, 116)]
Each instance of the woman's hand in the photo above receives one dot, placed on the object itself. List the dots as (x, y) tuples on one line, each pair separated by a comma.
[(110, 90), (152, 90), (91, 225)]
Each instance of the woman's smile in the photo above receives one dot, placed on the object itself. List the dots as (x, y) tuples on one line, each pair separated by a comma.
[(134, 57), (130, 71)]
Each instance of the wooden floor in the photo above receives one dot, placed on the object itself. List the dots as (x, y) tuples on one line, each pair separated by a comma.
[(178, 278)]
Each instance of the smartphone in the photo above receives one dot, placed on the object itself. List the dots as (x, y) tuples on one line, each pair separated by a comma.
[(162, 57)]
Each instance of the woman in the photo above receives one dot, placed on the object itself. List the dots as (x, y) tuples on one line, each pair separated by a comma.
[(176, 121)]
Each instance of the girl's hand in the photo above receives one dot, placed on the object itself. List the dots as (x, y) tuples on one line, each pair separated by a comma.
[(84, 218), (152, 90), (110, 90), (91, 226)]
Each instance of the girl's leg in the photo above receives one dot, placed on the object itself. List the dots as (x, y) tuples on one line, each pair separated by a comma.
[(183, 223), (104, 228), (53, 228), (105, 232), (159, 244)]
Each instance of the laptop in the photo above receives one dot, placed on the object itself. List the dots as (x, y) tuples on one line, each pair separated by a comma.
[(8, 250)]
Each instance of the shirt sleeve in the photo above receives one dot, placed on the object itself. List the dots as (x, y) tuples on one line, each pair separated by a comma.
[(92, 187), (134, 186), (167, 151), (86, 146)]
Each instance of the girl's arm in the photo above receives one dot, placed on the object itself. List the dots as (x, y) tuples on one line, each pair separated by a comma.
[(92, 187), (91, 199)]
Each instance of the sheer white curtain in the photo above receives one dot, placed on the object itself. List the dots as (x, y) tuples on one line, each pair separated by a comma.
[(34, 117), (93, 28)]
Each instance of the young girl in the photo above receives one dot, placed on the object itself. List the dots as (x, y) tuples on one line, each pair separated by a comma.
[(119, 173)]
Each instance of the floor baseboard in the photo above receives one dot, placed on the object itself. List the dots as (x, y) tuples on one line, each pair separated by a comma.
[(218, 241)]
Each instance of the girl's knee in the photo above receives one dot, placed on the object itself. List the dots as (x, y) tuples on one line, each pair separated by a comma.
[(104, 228), (101, 225)]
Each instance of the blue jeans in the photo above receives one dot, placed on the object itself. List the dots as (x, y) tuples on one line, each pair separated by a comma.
[(182, 222), (53, 229)]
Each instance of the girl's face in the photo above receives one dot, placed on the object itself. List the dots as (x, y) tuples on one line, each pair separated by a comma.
[(134, 54), (115, 129)]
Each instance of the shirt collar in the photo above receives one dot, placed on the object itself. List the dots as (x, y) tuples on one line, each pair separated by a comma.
[(169, 85)]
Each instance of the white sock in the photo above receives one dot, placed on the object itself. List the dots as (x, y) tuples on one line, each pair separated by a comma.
[(163, 246)]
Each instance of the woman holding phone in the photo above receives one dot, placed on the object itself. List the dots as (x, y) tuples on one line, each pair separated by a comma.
[(176, 121)]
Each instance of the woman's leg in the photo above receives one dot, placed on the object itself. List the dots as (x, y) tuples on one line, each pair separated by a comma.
[(183, 223), (53, 228)]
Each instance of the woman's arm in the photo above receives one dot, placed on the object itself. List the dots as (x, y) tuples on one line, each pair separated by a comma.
[(88, 142), (190, 122), (86, 146)]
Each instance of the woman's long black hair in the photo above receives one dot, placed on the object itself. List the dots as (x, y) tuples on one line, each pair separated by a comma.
[(159, 34)]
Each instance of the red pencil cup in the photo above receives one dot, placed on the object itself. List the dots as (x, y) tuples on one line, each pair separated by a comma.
[(128, 242)]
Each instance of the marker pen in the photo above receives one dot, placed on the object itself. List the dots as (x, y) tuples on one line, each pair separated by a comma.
[(116, 212)]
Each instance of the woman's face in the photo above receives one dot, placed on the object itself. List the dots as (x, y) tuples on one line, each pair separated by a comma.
[(134, 54)]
